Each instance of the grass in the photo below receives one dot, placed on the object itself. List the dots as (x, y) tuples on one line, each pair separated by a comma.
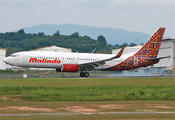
[(86, 81), (119, 94), (106, 89), (90, 93)]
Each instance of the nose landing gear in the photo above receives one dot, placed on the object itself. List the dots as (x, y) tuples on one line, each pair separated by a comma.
[(19, 71), (84, 74)]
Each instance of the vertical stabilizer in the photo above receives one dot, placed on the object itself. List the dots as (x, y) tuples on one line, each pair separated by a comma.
[(141, 58), (151, 47)]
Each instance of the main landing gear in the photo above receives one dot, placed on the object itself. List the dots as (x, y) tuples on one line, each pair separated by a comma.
[(84, 74)]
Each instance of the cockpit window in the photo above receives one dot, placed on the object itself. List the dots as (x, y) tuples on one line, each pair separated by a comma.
[(13, 55)]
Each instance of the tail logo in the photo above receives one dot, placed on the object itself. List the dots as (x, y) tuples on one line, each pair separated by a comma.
[(149, 50)]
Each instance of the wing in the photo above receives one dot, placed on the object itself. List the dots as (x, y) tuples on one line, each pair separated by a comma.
[(96, 64)]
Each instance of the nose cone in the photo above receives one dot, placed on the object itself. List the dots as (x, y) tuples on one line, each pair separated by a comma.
[(6, 60)]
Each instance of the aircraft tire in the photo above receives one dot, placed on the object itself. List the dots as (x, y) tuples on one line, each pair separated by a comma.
[(86, 74), (19, 72), (82, 74)]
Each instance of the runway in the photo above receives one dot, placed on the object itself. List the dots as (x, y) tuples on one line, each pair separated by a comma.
[(100, 113)]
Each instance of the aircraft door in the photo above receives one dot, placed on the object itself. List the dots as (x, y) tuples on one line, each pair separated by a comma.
[(24, 60), (24, 57)]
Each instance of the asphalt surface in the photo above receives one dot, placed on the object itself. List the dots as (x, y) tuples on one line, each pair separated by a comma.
[(100, 113)]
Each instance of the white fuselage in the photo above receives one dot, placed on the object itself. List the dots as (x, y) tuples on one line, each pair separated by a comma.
[(41, 59)]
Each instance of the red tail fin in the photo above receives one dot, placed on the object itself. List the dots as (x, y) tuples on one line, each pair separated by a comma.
[(148, 51), (151, 47)]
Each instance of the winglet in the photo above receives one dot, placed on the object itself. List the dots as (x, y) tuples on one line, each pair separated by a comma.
[(119, 54)]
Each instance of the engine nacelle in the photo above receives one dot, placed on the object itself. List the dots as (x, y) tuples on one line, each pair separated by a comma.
[(68, 68)]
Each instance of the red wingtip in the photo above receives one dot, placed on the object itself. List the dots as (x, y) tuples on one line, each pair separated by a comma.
[(119, 54)]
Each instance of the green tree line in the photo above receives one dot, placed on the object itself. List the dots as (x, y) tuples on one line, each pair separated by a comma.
[(20, 41)]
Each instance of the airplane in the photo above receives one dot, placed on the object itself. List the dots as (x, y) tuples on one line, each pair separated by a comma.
[(73, 62)]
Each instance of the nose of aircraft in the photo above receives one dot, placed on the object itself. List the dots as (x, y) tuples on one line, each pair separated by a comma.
[(6, 60)]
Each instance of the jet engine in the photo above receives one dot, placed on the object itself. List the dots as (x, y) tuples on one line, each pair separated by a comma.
[(68, 68)]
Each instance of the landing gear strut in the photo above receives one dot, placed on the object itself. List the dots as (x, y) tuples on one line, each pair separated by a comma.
[(84, 74)]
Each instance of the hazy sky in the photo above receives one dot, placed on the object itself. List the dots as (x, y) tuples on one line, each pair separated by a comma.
[(133, 15)]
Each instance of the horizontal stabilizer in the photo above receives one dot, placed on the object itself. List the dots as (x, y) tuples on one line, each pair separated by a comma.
[(154, 59)]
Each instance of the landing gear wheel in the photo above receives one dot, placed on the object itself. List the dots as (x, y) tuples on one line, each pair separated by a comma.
[(82, 74), (86, 74), (19, 72)]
